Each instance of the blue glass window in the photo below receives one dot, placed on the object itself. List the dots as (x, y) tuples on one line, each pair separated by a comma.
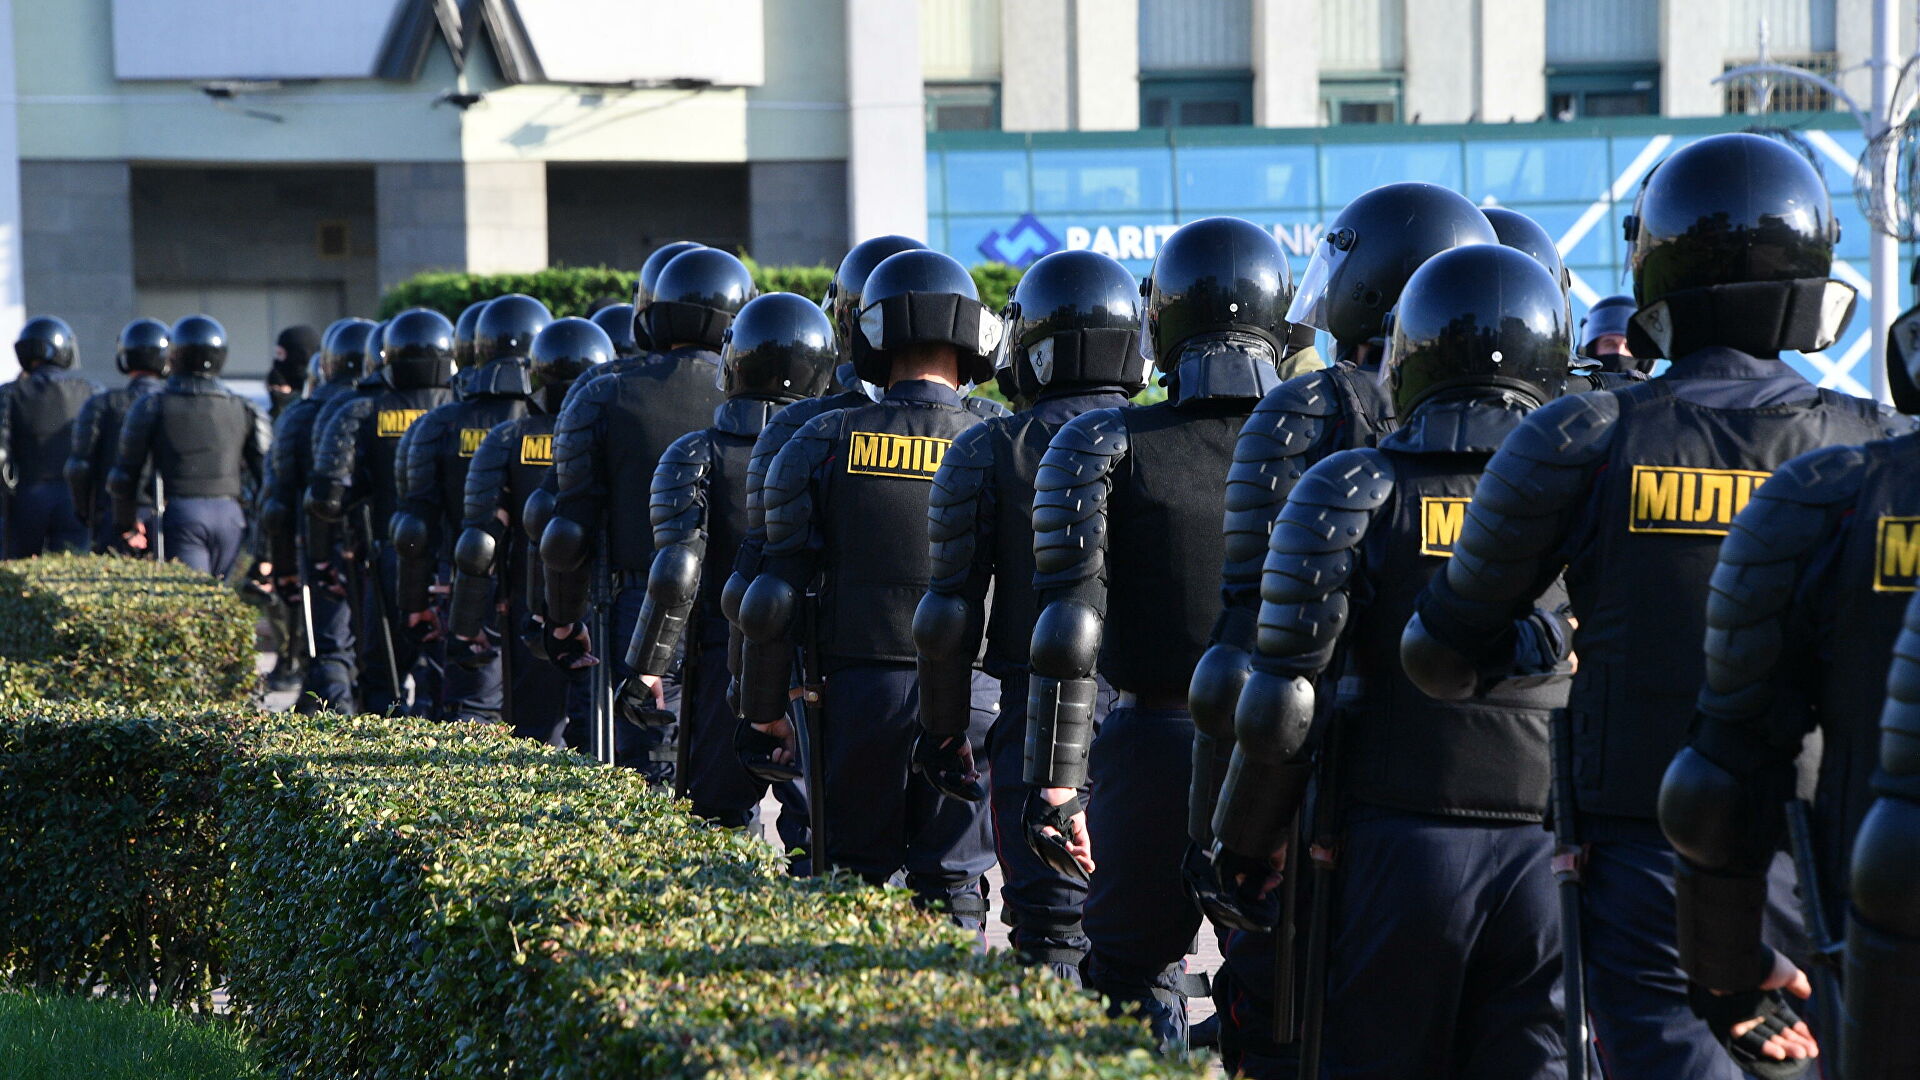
[(1351, 169), (983, 180), (1540, 170), (1214, 177), (1106, 179)]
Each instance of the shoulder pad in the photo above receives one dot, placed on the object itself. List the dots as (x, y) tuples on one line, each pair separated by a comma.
[(1311, 394), (1576, 429), (1101, 433), (953, 506), (984, 408), (1792, 511), (1332, 505), (674, 504)]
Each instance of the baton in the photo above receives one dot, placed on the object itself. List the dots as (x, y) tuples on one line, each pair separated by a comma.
[(808, 737), (1568, 859), (159, 518), (380, 611), (306, 618), (1826, 959)]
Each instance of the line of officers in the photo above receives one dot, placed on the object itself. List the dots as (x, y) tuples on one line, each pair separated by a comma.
[(1507, 713)]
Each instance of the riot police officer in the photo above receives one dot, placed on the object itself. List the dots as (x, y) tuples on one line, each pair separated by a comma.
[(1806, 605), (1126, 512), (1518, 231), (607, 443), (1071, 345), (494, 558), (1433, 807), (1883, 926), (843, 503), (287, 371), (616, 320), (1631, 490), (1603, 337), (141, 355), (780, 349), (642, 348), (494, 388), (355, 485), (37, 411), (208, 447)]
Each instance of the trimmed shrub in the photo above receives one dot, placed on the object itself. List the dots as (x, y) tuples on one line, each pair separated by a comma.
[(570, 290), (94, 629), (418, 900)]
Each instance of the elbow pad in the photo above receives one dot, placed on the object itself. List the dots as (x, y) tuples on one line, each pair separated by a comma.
[(79, 477), (1066, 641), (564, 546), (1721, 883), (537, 513), (1212, 696), (410, 535), (940, 634), (1437, 669), (119, 484), (1267, 779), (326, 500), (474, 552), (767, 609), (1885, 873), (276, 518), (672, 585), (731, 594)]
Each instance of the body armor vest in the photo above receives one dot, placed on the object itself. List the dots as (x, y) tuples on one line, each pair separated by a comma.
[(1018, 446), (106, 446), (200, 432), (527, 469), (44, 407), (394, 412), (1480, 758), (1366, 412), (1675, 476), (655, 403), (1164, 545), (467, 427), (873, 519)]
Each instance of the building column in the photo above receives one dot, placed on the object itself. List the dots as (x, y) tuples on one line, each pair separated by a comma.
[(1440, 51), (886, 120), (1691, 57), (1286, 63), (76, 250), (1035, 58), (12, 299), (1512, 61), (1105, 65), (483, 217), (797, 212)]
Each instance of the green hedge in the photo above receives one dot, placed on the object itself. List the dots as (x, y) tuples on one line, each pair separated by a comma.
[(570, 290), (394, 898), (89, 629), (418, 900)]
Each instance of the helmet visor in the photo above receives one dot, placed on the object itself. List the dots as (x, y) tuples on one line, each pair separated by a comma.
[(1003, 351), (1310, 306)]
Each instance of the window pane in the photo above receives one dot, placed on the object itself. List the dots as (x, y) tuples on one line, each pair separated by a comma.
[(1214, 178), (1154, 112), (1628, 103), (1115, 179), (1548, 170), (963, 118), (1209, 113), (986, 180), (1366, 112)]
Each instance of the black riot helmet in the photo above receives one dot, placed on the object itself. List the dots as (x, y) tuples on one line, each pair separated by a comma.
[(779, 346), (643, 286), (617, 321), (1370, 250), (377, 347), (464, 328), (1214, 276), (418, 349), (695, 298), (197, 345), (346, 352), (142, 346), (562, 352), (1521, 233), (507, 327), (1608, 316), (1074, 320), (923, 297), (1731, 243), (842, 302), (46, 339), (1484, 315)]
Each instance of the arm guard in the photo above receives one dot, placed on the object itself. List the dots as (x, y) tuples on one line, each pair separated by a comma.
[(766, 618), (794, 539), (1883, 924), (412, 541), (7, 478), (475, 552), (564, 548), (415, 527), (136, 447), (951, 618), (1510, 549), (335, 447), (678, 510), (80, 457), (749, 559), (579, 466), (1304, 590), (1071, 489), (258, 449)]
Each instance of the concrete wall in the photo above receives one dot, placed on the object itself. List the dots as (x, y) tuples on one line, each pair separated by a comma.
[(480, 216), (1441, 54), (886, 120), (1035, 61), (77, 250), (1511, 60), (1690, 58), (201, 226), (797, 212), (1286, 63), (1106, 65), (616, 214)]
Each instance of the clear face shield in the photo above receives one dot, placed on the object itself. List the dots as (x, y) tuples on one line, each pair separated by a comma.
[(1003, 351), (1310, 302)]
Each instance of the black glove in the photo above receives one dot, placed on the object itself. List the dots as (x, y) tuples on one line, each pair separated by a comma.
[(947, 763), (570, 653), (472, 654), (428, 629), (756, 748), (1233, 890), (636, 706), (1723, 1011), (1037, 815), (533, 634)]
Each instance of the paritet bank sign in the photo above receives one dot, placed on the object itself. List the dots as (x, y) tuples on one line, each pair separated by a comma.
[(1030, 238)]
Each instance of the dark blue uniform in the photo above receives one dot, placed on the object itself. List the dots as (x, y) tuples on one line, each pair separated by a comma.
[(37, 412)]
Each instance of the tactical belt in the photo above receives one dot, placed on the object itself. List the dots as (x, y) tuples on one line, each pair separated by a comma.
[(628, 579), (1157, 699)]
